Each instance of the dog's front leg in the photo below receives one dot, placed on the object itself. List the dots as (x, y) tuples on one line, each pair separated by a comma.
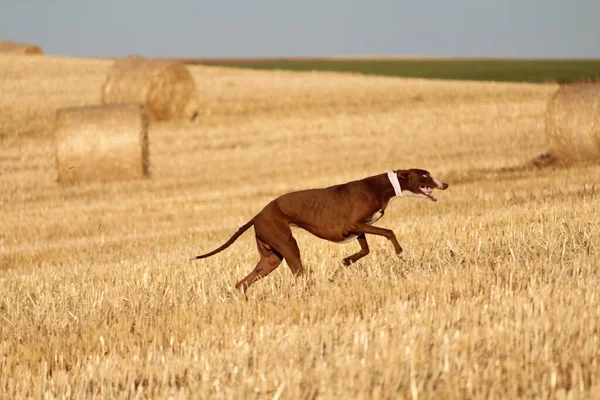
[(364, 250), (361, 228)]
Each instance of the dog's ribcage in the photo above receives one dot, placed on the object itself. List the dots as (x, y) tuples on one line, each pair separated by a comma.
[(374, 218)]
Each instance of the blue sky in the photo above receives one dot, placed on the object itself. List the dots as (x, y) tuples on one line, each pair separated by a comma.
[(271, 28)]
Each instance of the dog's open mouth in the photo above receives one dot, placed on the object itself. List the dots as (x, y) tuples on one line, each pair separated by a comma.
[(427, 191)]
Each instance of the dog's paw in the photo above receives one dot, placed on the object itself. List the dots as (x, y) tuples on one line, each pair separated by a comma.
[(404, 256), (345, 262)]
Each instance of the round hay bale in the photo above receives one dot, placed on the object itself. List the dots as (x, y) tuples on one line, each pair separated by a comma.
[(7, 46), (573, 123), (166, 88), (101, 143)]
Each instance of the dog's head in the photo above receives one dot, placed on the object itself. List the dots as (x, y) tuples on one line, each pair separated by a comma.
[(419, 183)]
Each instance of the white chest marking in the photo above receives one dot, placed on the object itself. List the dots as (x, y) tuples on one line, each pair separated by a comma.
[(377, 216), (370, 221)]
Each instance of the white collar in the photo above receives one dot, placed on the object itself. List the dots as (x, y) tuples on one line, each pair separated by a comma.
[(394, 180)]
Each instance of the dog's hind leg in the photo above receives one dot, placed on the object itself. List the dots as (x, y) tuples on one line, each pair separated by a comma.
[(364, 250), (290, 251), (277, 234), (269, 260)]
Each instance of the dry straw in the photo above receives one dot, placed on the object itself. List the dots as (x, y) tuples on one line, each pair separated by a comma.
[(7, 46), (573, 123), (101, 143), (166, 88)]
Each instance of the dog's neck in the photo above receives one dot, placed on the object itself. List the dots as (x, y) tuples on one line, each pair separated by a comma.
[(383, 185), (393, 177)]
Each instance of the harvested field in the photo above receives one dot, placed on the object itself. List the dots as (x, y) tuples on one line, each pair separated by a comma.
[(499, 299), (33, 88)]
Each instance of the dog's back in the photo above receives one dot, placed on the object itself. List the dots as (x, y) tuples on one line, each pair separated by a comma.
[(325, 212)]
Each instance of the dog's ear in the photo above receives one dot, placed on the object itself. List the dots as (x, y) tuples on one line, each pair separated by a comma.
[(402, 174)]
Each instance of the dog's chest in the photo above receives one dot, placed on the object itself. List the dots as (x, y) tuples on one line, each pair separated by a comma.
[(374, 218), (369, 221)]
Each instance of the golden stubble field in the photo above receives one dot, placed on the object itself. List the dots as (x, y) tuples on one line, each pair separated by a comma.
[(500, 298)]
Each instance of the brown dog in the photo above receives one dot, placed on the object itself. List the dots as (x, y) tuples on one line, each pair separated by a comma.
[(338, 213)]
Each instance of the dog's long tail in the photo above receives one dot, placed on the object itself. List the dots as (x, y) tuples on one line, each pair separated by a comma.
[(228, 243)]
